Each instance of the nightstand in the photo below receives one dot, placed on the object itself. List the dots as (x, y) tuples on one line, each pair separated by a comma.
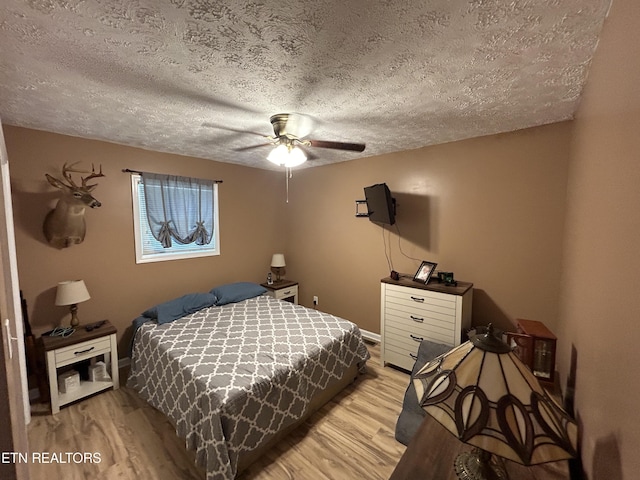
[(283, 290), (82, 345)]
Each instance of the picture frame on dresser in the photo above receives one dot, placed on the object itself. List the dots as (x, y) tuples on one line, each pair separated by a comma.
[(425, 270)]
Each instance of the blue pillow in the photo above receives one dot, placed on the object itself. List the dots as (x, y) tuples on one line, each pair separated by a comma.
[(236, 292), (179, 307)]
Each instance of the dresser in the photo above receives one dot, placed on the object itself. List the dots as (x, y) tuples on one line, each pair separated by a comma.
[(411, 312)]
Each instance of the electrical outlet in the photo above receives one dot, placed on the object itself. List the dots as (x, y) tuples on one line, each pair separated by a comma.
[(315, 299)]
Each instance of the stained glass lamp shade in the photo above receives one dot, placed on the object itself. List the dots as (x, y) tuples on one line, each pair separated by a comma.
[(482, 393)]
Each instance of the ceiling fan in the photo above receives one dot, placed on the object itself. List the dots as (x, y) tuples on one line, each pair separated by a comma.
[(289, 142)]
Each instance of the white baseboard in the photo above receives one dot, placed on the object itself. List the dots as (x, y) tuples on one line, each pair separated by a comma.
[(370, 336)]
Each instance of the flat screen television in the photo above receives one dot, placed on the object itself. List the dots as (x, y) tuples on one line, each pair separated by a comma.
[(381, 208)]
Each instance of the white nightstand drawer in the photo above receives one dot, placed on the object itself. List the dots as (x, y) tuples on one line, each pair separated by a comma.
[(82, 351), (286, 292)]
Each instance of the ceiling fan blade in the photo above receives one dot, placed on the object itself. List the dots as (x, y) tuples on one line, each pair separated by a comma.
[(229, 129), (355, 147), (242, 149)]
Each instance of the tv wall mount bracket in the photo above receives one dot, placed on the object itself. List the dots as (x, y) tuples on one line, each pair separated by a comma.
[(359, 212)]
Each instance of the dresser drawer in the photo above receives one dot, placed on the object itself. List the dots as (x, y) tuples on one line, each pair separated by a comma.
[(82, 351), (401, 358), (419, 321), (446, 336), (418, 301)]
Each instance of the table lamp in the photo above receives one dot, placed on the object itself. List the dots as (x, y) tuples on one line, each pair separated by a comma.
[(72, 292), (277, 266), (482, 393)]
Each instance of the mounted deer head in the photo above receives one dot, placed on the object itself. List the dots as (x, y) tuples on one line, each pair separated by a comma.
[(65, 225)]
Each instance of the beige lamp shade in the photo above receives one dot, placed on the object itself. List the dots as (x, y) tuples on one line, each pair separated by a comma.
[(72, 292), (278, 260)]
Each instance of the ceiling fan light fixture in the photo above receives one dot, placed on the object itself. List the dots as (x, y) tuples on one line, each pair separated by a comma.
[(284, 155), (296, 157), (278, 155)]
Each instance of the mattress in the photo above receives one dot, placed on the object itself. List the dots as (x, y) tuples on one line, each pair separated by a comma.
[(231, 377)]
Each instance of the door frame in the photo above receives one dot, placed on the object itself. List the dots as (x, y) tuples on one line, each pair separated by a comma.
[(13, 371)]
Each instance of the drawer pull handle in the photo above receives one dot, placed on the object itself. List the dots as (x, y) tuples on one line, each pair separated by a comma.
[(417, 339), (417, 299), (287, 292), (417, 319), (415, 357), (83, 351)]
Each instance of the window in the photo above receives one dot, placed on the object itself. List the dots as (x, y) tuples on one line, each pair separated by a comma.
[(148, 249)]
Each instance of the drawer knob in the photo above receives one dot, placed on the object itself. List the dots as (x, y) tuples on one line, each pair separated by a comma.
[(415, 357), (417, 299), (417, 339), (84, 351), (417, 319)]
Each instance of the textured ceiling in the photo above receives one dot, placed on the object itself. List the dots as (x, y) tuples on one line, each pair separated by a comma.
[(393, 74)]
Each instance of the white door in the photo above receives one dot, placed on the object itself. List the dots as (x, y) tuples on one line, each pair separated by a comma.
[(14, 398)]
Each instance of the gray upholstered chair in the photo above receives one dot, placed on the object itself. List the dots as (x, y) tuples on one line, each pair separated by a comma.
[(412, 415)]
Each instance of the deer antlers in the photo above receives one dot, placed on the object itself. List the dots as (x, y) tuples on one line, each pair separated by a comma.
[(67, 170)]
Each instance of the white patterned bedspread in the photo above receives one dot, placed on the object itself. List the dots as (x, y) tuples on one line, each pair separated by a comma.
[(230, 377)]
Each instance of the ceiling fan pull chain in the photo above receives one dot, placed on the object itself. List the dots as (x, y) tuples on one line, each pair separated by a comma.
[(287, 172)]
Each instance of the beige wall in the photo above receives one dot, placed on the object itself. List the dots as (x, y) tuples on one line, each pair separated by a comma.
[(600, 305), (489, 209), (251, 220)]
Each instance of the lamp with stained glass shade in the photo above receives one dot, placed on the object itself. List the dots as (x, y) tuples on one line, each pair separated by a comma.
[(482, 393)]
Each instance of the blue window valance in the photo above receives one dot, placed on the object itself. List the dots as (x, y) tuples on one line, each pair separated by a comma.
[(179, 208)]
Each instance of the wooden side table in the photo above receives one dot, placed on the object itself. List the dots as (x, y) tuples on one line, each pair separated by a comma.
[(283, 290), (432, 451), (80, 346)]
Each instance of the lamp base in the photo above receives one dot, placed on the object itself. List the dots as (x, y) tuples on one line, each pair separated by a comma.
[(278, 272), (478, 465), (74, 315)]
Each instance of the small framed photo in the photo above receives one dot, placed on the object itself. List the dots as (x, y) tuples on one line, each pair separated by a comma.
[(424, 272)]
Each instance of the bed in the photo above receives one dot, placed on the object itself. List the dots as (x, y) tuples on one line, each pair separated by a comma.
[(234, 378)]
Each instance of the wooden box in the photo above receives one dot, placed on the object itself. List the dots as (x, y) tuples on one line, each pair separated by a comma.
[(535, 345)]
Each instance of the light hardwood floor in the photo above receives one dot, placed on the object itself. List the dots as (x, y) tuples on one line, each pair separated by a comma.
[(351, 437)]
